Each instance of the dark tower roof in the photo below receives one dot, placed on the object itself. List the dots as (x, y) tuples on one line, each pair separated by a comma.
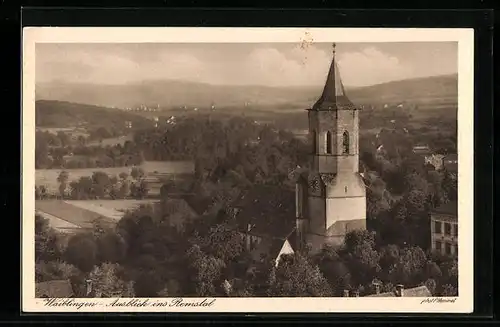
[(333, 96)]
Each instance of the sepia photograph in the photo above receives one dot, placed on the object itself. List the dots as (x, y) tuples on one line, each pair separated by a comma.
[(319, 165)]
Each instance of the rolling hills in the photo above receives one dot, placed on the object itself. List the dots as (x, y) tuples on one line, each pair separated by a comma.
[(166, 93), (50, 113)]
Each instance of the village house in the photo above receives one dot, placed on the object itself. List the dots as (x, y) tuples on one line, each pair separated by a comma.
[(444, 229)]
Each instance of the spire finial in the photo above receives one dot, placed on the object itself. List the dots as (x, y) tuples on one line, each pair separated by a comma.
[(333, 47)]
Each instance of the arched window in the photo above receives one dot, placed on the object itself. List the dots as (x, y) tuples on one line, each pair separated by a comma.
[(345, 142), (313, 141), (328, 142)]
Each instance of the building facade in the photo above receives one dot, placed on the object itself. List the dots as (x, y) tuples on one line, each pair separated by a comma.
[(331, 196), (444, 229)]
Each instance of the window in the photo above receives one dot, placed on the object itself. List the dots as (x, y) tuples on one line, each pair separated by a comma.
[(345, 142), (328, 142), (438, 246), (447, 228), (455, 230), (437, 227), (447, 248)]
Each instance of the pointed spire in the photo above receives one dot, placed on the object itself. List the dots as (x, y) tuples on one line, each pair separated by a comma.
[(333, 96)]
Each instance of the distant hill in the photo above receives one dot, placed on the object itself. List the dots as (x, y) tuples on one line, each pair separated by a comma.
[(419, 90), (180, 93), (65, 114)]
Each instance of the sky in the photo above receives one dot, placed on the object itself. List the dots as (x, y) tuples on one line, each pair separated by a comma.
[(267, 64)]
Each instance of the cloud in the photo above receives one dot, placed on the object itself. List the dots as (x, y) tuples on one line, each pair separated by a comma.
[(371, 66), (259, 65), (269, 66)]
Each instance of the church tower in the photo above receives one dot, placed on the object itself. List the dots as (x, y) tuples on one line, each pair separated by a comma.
[(331, 196)]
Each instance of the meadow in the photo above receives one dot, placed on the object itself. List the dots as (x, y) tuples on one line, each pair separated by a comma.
[(113, 209)]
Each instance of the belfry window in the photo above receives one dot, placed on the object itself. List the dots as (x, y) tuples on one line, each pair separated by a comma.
[(345, 142), (328, 142)]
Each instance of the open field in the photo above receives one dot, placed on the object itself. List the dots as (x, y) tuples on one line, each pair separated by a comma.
[(113, 209)]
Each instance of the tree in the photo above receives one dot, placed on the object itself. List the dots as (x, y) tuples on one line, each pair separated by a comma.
[(56, 269), (111, 247), (223, 242), (62, 179), (389, 257), (295, 277), (431, 285), (361, 256), (432, 271), (450, 186), (106, 282), (334, 269), (148, 284), (205, 271), (82, 189), (45, 240), (123, 175), (137, 173), (449, 290), (101, 184), (409, 267), (139, 190), (124, 190), (82, 252)]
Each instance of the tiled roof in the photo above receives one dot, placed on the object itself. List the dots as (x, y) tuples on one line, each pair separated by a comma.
[(333, 96), (54, 289), (421, 291), (269, 210), (450, 208)]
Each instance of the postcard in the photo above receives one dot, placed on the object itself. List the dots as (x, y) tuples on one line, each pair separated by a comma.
[(247, 170)]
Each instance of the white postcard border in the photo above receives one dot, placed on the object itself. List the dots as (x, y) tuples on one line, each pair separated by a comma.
[(465, 38)]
